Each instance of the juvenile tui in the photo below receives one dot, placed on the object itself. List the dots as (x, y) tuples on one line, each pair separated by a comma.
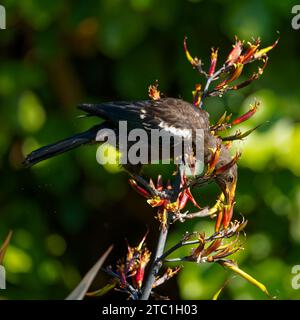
[(172, 115)]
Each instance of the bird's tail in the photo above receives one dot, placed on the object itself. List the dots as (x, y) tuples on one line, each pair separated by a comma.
[(61, 146)]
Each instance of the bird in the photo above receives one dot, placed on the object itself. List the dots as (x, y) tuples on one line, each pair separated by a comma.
[(172, 115)]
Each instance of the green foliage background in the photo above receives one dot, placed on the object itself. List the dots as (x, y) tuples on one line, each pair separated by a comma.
[(66, 211)]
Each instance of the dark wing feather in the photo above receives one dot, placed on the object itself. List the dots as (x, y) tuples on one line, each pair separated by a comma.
[(116, 111), (151, 114)]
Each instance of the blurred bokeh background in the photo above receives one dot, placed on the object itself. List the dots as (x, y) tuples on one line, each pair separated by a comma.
[(68, 210)]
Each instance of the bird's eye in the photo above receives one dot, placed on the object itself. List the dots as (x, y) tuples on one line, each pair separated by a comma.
[(230, 178)]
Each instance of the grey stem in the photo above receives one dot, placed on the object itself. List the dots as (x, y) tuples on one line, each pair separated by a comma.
[(157, 262)]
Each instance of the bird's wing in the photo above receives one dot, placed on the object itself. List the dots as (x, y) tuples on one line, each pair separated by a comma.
[(173, 115)]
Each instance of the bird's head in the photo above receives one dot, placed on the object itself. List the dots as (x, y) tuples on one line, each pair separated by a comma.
[(227, 183)]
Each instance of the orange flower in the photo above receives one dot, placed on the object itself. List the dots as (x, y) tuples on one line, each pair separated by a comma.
[(142, 263), (235, 53), (213, 61), (249, 54), (214, 159), (261, 53), (238, 68), (153, 91), (247, 115), (193, 61), (197, 95)]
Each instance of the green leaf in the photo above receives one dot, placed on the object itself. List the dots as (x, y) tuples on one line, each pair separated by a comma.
[(234, 267), (216, 295), (4, 246), (79, 292), (102, 291)]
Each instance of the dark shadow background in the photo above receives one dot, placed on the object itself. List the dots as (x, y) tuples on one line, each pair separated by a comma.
[(67, 211)]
